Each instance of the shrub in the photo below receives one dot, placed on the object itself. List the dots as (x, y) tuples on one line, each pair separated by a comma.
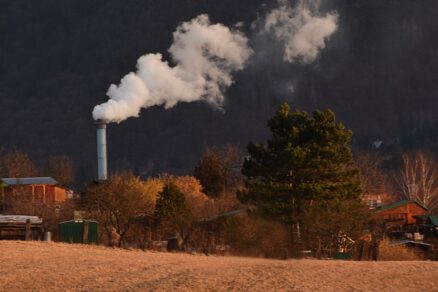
[(254, 236), (389, 252)]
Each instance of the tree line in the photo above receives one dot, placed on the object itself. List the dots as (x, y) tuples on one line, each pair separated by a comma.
[(301, 190), (15, 163)]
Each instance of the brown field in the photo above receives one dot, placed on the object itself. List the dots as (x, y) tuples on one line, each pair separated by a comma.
[(59, 267)]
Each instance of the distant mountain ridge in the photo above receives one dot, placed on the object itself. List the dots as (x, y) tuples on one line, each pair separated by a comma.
[(57, 58)]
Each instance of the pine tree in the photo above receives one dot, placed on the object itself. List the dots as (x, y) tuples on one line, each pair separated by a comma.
[(171, 211), (307, 159)]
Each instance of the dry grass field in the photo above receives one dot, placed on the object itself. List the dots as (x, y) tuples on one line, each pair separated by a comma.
[(40, 266)]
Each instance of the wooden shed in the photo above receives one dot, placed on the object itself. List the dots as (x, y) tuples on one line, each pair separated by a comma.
[(400, 213), (428, 225), (15, 227), (44, 189)]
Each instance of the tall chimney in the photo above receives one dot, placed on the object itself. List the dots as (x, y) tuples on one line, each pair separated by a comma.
[(102, 171)]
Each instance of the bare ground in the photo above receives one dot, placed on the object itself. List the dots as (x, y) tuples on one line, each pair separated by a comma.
[(59, 267)]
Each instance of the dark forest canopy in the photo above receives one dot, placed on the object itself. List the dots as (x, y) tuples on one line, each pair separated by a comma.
[(57, 58)]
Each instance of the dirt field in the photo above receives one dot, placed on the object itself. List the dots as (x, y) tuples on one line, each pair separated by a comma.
[(60, 267)]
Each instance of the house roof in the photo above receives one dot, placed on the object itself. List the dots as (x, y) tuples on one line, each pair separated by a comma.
[(224, 215), (78, 221), (401, 242), (398, 204), (20, 219), (9, 181), (421, 217), (231, 213), (433, 219)]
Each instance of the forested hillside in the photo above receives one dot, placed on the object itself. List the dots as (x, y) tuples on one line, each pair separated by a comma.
[(57, 58)]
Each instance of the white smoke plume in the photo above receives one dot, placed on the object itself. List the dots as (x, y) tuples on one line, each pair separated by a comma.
[(302, 29), (205, 56)]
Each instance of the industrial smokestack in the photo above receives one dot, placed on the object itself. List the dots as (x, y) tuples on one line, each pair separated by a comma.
[(102, 171)]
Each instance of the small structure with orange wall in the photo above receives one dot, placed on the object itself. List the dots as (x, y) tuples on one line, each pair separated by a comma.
[(400, 213), (43, 189)]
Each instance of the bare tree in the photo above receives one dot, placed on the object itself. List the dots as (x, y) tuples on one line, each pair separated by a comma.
[(18, 164), (117, 204), (218, 170), (370, 174), (209, 172), (418, 178), (61, 168), (231, 157)]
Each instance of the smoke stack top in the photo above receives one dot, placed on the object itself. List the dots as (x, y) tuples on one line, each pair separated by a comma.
[(100, 122), (205, 56)]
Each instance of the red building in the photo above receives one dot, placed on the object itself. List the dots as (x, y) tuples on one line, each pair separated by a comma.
[(400, 213), (43, 189)]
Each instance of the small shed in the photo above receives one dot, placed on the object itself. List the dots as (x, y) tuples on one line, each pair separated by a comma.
[(78, 231), (20, 227), (400, 213), (428, 225), (43, 189)]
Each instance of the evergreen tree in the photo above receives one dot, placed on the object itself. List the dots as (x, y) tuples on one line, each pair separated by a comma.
[(307, 160), (171, 211), (209, 172)]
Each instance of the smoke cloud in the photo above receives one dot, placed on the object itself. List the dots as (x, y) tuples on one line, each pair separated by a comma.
[(205, 56), (302, 29)]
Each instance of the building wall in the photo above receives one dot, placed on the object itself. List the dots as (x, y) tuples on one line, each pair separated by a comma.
[(42, 193), (60, 195), (404, 213), (415, 210)]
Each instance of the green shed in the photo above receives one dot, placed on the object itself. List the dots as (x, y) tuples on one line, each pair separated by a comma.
[(78, 231)]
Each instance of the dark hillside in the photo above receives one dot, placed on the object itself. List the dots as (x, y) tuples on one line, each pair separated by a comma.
[(57, 58)]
